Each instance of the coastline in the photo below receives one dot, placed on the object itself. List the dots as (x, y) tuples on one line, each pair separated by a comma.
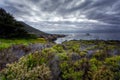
[(52, 37)]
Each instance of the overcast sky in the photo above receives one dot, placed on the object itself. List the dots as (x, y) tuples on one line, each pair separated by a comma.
[(70, 15)]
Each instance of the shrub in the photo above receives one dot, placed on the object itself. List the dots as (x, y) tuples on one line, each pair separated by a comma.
[(103, 73), (101, 55), (30, 67), (58, 48), (114, 64), (83, 53), (63, 56), (69, 72)]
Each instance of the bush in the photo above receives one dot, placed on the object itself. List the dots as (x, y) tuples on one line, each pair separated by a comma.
[(58, 48), (69, 72), (30, 67), (103, 73), (114, 64)]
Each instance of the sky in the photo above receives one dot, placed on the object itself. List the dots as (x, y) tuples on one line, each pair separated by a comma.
[(66, 15)]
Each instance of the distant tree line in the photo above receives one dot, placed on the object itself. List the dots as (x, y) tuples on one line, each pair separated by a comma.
[(10, 28)]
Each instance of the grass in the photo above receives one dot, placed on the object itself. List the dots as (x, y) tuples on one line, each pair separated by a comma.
[(6, 43)]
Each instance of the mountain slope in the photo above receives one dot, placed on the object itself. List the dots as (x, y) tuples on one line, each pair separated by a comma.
[(32, 30), (39, 33), (11, 28)]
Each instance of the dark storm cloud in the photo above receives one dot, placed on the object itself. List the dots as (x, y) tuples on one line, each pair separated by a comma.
[(82, 6), (63, 12), (106, 12), (18, 8), (34, 1)]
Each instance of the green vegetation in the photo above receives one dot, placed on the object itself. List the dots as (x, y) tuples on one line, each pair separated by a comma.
[(6, 43), (30, 67), (72, 60), (23, 58)]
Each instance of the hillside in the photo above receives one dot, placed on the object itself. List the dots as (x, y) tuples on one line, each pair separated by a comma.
[(39, 33), (32, 30), (11, 28)]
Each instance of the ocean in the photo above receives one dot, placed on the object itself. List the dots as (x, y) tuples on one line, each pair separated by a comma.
[(88, 36)]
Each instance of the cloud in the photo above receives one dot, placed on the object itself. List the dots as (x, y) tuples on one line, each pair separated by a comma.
[(71, 14)]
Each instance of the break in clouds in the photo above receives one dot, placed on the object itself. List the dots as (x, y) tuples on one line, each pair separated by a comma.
[(70, 15)]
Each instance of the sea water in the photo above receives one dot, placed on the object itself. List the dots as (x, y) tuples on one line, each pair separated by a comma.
[(88, 36)]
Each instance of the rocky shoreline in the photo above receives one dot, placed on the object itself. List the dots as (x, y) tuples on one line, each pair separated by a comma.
[(51, 37)]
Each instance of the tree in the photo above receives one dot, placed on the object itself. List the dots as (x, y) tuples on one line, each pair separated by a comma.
[(10, 28)]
